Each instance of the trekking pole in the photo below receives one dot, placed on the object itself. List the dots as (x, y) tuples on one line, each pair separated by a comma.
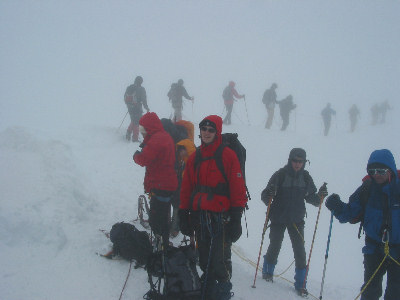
[(122, 121), (326, 256), (193, 110), (245, 105), (312, 243), (262, 240)]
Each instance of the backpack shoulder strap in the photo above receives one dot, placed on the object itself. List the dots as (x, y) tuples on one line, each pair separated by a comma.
[(218, 160), (364, 195)]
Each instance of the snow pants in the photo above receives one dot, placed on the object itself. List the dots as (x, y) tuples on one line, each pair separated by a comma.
[(229, 108), (160, 207), (285, 120), (374, 289), (177, 106), (214, 247), (135, 112), (296, 234), (270, 117)]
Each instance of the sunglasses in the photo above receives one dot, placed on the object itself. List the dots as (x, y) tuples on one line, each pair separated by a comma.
[(210, 130), (297, 161), (377, 171)]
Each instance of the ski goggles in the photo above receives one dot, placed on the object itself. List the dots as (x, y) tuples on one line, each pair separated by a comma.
[(209, 129), (377, 171)]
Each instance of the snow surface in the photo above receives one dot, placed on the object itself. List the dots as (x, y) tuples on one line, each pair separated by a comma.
[(66, 171)]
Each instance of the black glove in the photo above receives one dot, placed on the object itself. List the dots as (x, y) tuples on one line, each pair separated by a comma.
[(334, 204), (323, 191), (184, 222), (234, 226)]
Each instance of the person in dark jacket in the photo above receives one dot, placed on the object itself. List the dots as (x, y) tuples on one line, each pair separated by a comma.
[(211, 208), (326, 114), (135, 97), (286, 106), (175, 95), (269, 99), (380, 217), (353, 115), (160, 181), (229, 94), (287, 189)]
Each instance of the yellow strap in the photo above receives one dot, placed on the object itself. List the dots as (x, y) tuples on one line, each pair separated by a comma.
[(386, 249)]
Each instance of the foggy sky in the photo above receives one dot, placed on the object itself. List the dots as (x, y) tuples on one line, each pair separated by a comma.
[(78, 56)]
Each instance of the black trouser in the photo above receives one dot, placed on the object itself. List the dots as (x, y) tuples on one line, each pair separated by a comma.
[(276, 235), (220, 264), (374, 289), (229, 108), (160, 207)]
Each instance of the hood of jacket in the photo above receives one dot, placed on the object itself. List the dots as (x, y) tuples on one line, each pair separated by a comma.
[(384, 157), (208, 150), (151, 122)]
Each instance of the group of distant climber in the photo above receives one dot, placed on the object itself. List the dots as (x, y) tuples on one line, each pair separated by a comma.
[(135, 99)]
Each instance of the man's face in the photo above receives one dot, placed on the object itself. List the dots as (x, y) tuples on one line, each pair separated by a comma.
[(297, 163), (380, 175), (207, 134)]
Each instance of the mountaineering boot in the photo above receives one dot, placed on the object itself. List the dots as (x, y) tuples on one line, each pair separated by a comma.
[(223, 290), (299, 277), (268, 270)]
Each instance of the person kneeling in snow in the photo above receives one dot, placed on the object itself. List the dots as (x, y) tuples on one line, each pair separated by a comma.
[(376, 204), (288, 188), (160, 181)]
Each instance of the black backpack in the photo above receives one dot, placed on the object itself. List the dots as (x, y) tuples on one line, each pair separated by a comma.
[(177, 132), (228, 140), (130, 243), (177, 267), (227, 93)]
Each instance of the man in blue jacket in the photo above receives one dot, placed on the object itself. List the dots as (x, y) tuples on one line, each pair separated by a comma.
[(380, 217)]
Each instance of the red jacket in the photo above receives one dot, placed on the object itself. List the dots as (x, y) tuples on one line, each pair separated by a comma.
[(234, 94), (158, 156), (209, 175)]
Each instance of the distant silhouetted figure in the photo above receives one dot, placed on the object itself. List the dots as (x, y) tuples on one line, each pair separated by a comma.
[(326, 114), (353, 115), (269, 99), (229, 94), (135, 97), (383, 108), (175, 95), (286, 106), (375, 111)]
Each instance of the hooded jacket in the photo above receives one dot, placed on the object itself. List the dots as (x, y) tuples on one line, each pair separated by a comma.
[(158, 156), (380, 196), (292, 189), (232, 94), (208, 174)]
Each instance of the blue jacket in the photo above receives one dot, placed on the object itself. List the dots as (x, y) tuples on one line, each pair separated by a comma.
[(374, 210)]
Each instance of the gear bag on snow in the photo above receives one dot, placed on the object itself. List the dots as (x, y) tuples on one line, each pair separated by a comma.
[(130, 243), (177, 267)]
